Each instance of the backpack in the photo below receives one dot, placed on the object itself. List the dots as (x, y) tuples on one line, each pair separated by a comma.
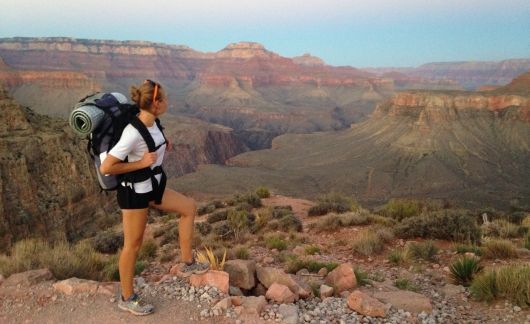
[(107, 130)]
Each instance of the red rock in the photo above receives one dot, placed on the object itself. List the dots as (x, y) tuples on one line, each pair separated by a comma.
[(253, 305), (326, 291), (366, 305), (214, 278), (236, 300), (108, 288), (268, 275), (407, 300), (280, 294), (224, 303), (242, 273), (29, 278), (75, 286), (342, 278)]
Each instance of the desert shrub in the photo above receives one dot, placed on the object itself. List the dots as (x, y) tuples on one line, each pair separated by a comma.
[(108, 241), (239, 222), (526, 221), (63, 260), (397, 257), (241, 252), (464, 248), (509, 282), (210, 257), (406, 284), (422, 250), (148, 250), (527, 241), (464, 270), (218, 204), (290, 223), (281, 212), (333, 202), (244, 206), (204, 228), (275, 241), (312, 249), (167, 253), (367, 244), (250, 198), (111, 271), (263, 217), (217, 216), (263, 192), (499, 249), (447, 224), (206, 209), (294, 264), (223, 230), (361, 276), (171, 234), (400, 209), (334, 221), (501, 228)]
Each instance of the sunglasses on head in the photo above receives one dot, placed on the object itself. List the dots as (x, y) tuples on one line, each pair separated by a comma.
[(155, 86)]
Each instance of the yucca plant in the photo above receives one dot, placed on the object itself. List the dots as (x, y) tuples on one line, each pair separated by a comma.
[(209, 257), (464, 269)]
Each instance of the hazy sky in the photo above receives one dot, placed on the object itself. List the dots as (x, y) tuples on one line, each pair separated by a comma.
[(342, 32)]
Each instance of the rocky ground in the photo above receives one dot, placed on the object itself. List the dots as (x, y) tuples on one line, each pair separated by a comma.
[(431, 297)]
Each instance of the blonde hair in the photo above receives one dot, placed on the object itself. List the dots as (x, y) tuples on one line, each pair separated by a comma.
[(143, 95)]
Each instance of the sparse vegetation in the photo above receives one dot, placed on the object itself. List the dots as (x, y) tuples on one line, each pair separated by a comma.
[(312, 249), (464, 270), (206, 209), (108, 241), (527, 241), (446, 224), (204, 228), (294, 264), (241, 252), (208, 256), (397, 257), (422, 250), (239, 222), (263, 192), (406, 284), (148, 250), (361, 276), (333, 202), (499, 249), (275, 241), (511, 282), (400, 209), (369, 242), (464, 248), (217, 216), (502, 229), (334, 221), (111, 270)]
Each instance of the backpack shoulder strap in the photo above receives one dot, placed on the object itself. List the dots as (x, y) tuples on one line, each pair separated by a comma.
[(144, 132), (161, 129)]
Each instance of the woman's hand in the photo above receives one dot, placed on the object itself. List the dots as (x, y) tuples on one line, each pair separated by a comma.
[(148, 159)]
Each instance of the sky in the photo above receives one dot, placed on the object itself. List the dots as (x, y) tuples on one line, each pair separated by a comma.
[(372, 33)]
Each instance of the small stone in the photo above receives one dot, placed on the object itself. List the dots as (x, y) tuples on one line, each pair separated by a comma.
[(323, 272), (517, 309)]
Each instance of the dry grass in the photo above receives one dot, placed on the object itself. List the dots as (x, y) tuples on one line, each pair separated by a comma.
[(369, 241), (499, 249)]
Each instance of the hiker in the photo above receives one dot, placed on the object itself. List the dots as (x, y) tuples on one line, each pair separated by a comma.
[(131, 160)]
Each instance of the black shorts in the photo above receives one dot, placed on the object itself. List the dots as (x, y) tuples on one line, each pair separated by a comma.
[(129, 199)]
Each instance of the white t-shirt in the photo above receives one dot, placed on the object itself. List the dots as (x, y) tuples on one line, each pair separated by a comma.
[(133, 146)]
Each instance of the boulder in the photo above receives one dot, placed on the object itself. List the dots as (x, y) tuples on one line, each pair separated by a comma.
[(242, 273), (253, 305), (76, 286), (235, 291), (28, 278), (223, 304), (214, 278), (326, 291), (289, 314), (268, 275), (342, 278), (366, 305), (236, 300), (404, 299), (280, 294), (323, 272)]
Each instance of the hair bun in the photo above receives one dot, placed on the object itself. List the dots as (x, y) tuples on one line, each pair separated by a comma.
[(136, 94)]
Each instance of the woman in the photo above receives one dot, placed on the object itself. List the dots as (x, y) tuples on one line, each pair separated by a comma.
[(142, 186)]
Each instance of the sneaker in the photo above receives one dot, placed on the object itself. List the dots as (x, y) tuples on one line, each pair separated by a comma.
[(194, 267), (135, 305)]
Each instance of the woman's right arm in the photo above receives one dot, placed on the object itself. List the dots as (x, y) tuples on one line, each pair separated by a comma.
[(113, 165)]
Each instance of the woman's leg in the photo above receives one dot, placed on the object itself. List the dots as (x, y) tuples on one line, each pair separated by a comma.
[(134, 221), (172, 202)]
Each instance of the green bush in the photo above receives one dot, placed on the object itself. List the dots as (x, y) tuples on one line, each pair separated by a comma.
[(333, 222), (397, 257), (290, 223), (447, 224), (369, 242), (217, 216), (511, 282), (204, 228), (171, 234), (241, 252), (464, 270), (312, 249), (333, 202), (63, 260), (406, 284), (206, 209), (278, 213), (108, 241), (499, 249), (464, 248), (294, 264), (422, 250), (223, 230), (263, 192), (501, 228), (250, 198), (239, 222), (400, 209), (148, 250), (275, 242)]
